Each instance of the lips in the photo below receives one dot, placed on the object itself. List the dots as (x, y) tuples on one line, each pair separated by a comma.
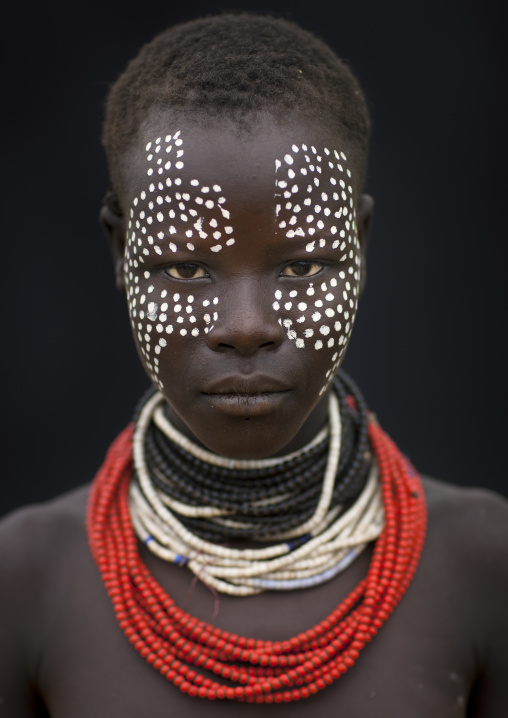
[(251, 385), (247, 396)]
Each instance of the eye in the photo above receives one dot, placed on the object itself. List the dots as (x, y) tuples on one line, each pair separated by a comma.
[(186, 270), (302, 269)]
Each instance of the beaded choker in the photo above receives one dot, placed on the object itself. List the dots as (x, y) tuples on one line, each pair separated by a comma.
[(209, 663), (320, 545)]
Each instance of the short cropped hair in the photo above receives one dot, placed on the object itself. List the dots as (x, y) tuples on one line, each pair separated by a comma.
[(235, 65)]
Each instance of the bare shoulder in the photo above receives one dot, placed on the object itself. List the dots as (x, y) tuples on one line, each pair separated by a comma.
[(38, 546), (467, 548), (34, 542), (31, 534), (473, 518)]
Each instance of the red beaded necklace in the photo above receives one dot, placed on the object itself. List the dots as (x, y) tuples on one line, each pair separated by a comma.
[(178, 645)]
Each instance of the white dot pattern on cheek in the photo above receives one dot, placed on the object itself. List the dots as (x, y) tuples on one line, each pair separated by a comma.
[(314, 201), (186, 211)]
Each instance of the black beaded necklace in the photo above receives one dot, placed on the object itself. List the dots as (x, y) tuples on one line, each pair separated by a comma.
[(290, 490)]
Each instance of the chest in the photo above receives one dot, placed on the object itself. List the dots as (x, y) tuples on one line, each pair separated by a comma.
[(420, 663)]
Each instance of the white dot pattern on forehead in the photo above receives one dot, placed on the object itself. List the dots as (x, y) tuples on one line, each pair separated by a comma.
[(314, 201)]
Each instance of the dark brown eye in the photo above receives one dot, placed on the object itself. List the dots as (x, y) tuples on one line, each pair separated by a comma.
[(186, 271), (301, 269)]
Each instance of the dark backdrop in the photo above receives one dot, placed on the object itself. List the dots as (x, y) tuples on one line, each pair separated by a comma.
[(429, 348)]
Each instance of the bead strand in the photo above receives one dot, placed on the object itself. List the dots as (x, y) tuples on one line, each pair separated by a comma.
[(197, 657)]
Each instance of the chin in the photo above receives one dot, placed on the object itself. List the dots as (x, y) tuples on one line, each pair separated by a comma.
[(248, 437)]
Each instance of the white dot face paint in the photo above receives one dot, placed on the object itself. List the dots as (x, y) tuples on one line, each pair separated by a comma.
[(328, 223), (178, 212)]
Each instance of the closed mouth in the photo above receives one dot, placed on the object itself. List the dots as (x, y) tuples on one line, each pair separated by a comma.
[(245, 387)]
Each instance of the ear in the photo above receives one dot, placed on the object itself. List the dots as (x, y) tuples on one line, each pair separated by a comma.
[(114, 227), (364, 223)]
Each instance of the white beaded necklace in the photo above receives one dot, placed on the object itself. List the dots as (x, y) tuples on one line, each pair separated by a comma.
[(333, 543)]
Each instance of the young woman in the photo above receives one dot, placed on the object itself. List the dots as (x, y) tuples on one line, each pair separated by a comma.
[(254, 542)]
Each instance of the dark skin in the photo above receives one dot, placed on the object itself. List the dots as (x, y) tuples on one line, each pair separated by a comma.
[(442, 652)]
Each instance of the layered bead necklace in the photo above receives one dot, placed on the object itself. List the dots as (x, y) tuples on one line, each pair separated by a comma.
[(203, 660)]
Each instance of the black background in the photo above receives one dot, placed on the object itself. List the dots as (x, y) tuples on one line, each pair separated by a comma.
[(429, 347)]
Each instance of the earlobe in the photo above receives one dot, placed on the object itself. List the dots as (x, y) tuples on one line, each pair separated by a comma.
[(114, 227), (364, 224)]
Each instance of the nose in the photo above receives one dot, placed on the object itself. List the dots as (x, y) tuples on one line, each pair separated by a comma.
[(246, 320)]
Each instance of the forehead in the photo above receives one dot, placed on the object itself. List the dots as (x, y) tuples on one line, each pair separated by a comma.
[(243, 164)]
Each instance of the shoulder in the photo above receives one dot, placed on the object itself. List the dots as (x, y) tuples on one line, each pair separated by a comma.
[(467, 551), (29, 534), (35, 542), (35, 538), (39, 544), (469, 517)]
